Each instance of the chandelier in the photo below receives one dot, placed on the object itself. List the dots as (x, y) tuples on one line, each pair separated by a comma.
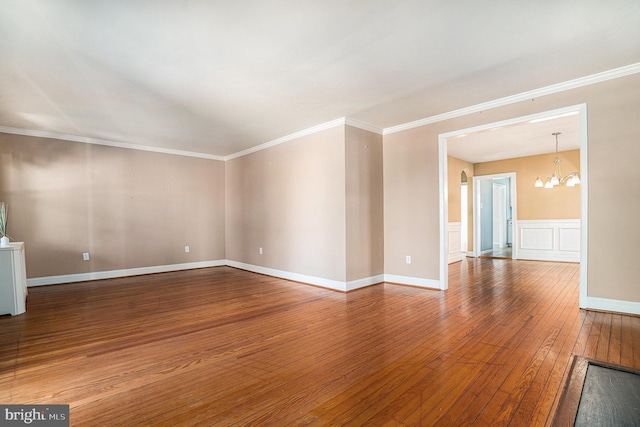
[(557, 179)]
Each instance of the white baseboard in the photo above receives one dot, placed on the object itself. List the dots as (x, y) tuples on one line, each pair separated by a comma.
[(455, 257), (363, 283), (618, 306), (111, 274), (312, 280), (628, 307), (412, 281), (531, 256)]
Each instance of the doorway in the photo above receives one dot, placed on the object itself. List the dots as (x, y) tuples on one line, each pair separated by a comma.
[(495, 213), (581, 111)]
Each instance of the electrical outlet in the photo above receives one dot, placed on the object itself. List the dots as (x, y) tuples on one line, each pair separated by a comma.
[(408, 259), (187, 249), (260, 251), (85, 256)]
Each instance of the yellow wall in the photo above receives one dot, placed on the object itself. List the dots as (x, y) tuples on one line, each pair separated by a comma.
[(561, 202), (533, 203), (455, 167)]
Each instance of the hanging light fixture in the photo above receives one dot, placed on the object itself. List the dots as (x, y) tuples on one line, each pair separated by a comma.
[(556, 179)]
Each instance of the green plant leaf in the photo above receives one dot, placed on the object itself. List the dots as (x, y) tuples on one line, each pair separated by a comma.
[(3, 218)]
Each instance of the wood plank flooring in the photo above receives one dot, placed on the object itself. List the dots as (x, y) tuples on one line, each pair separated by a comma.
[(221, 346)]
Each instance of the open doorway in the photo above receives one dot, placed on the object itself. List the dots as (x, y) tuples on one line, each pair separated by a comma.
[(494, 207), (579, 112)]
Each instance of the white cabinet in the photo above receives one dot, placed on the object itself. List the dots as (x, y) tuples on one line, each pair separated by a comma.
[(13, 279)]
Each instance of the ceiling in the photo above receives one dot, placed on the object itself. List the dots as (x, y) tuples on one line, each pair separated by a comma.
[(219, 77), (522, 139)]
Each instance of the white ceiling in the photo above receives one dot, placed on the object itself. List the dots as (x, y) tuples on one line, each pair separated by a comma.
[(219, 77), (523, 139)]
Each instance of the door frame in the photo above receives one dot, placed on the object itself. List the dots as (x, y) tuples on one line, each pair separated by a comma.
[(584, 193), (477, 247)]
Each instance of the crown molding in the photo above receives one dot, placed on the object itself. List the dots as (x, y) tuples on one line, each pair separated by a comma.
[(343, 121), (314, 129), (96, 141), (364, 126), (524, 96)]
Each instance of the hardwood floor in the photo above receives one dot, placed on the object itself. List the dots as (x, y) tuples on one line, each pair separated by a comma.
[(221, 346)]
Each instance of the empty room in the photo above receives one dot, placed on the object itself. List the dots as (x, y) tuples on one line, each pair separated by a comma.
[(276, 213)]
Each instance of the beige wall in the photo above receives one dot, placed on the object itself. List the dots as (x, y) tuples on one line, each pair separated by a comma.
[(364, 204), (315, 206), (613, 108), (290, 200), (127, 208), (411, 211), (561, 202), (132, 208)]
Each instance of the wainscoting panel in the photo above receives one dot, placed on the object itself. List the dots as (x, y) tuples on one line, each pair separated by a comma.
[(455, 254), (537, 238), (570, 239), (549, 240)]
